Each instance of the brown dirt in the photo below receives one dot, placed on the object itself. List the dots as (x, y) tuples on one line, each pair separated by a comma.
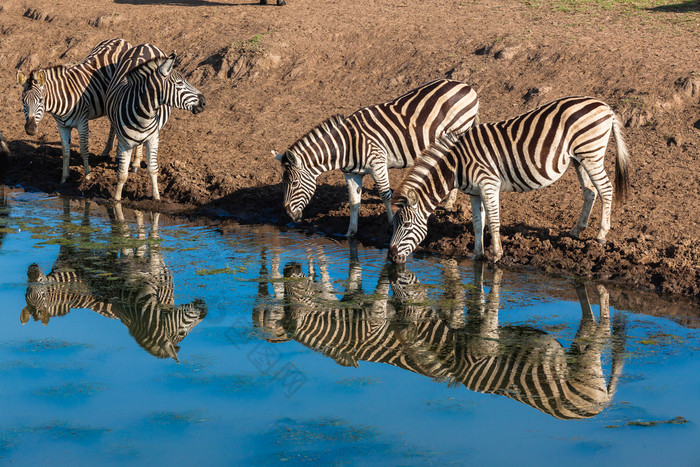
[(272, 73)]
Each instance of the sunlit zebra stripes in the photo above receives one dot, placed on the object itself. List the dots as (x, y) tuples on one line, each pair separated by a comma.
[(73, 95), (525, 153), (139, 100), (373, 140)]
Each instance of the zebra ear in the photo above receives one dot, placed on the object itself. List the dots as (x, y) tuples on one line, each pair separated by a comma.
[(21, 78), (24, 316), (40, 77), (45, 317), (171, 350), (290, 159), (167, 66), (412, 197)]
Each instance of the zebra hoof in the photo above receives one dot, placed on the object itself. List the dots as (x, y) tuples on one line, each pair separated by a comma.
[(88, 176), (600, 241), (281, 3), (134, 169)]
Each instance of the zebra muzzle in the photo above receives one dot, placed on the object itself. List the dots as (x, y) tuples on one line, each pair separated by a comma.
[(31, 126), (294, 215), (394, 255), (200, 104)]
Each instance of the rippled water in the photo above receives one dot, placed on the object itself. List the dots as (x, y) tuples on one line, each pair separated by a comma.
[(132, 337)]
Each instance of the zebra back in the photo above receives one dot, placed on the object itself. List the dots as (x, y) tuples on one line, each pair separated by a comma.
[(79, 91)]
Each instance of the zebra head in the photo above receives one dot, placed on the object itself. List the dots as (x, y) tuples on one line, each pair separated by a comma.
[(32, 99), (177, 91), (175, 324), (410, 226), (299, 184), (36, 296)]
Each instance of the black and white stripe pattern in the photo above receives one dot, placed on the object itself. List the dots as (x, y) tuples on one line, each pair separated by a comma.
[(139, 100), (519, 362), (134, 285), (525, 153), (373, 140), (73, 95)]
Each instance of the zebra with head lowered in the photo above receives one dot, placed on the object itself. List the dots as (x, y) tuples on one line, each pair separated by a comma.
[(134, 285), (139, 101), (73, 95), (373, 140), (524, 153)]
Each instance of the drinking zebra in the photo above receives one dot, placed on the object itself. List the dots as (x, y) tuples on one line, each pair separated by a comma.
[(373, 140), (418, 334), (139, 100), (73, 95), (134, 285), (524, 153)]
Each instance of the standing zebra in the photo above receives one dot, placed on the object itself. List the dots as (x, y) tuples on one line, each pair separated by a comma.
[(139, 100), (73, 95), (525, 153), (373, 140)]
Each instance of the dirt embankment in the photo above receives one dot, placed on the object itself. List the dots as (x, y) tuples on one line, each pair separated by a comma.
[(272, 73)]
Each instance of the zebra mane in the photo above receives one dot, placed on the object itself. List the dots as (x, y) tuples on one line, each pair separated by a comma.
[(136, 68), (325, 128), (50, 72), (433, 168)]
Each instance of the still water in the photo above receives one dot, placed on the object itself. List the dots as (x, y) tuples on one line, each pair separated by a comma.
[(127, 336)]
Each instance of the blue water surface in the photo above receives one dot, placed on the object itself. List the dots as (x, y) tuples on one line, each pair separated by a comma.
[(247, 386)]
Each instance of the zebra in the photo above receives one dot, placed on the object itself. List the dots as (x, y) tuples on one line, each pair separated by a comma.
[(139, 100), (373, 140), (73, 95), (4, 149), (519, 362), (524, 153), (139, 291)]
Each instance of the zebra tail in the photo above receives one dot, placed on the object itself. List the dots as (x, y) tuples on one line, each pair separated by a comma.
[(3, 146), (622, 183)]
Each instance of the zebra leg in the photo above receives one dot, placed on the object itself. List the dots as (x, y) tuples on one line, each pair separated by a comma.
[(123, 156), (136, 165), (152, 149), (380, 173), (354, 182), (64, 133), (589, 196), (596, 172), (478, 224), (84, 136), (490, 197), (110, 142)]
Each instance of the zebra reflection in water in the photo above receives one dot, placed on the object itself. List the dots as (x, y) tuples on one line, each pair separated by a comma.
[(131, 283), (438, 340)]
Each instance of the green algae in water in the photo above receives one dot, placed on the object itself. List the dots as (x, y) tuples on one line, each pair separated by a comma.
[(216, 271), (69, 391), (169, 418), (651, 423)]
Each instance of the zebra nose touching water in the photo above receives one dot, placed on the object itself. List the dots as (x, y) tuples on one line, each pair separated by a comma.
[(139, 100), (73, 96), (525, 153), (373, 140)]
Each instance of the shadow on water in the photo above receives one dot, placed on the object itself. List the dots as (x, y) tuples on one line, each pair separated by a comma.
[(438, 340), (682, 7), (125, 278)]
